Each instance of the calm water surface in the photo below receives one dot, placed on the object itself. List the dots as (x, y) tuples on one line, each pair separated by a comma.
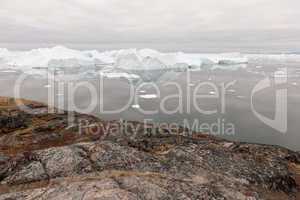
[(237, 102)]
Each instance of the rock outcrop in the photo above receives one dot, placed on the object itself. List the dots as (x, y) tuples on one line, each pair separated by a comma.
[(42, 156)]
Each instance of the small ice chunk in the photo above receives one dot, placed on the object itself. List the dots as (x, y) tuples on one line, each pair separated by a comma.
[(148, 96), (280, 74), (47, 86), (212, 93), (142, 91), (295, 84), (136, 106), (8, 71), (241, 97)]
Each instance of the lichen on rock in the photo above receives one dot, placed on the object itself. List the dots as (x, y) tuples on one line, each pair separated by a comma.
[(48, 160)]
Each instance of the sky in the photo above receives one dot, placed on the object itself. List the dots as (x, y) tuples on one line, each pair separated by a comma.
[(174, 24)]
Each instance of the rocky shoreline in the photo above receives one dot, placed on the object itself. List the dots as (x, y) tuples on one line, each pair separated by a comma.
[(42, 157)]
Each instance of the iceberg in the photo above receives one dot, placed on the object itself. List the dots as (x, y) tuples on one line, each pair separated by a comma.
[(4, 53), (73, 65), (150, 63), (233, 61), (130, 61), (274, 57), (225, 59), (69, 63)]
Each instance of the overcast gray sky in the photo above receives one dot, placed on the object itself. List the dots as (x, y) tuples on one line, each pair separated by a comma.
[(204, 23)]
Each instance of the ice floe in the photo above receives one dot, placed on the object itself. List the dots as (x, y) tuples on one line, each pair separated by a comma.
[(136, 106), (148, 96), (142, 91), (127, 63), (47, 86), (240, 97)]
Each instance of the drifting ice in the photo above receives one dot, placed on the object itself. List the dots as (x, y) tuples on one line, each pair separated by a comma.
[(129, 59)]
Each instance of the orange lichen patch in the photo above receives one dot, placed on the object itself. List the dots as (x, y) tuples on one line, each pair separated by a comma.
[(27, 132), (201, 136), (37, 137), (295, 167), (163, 149), (11, 103), (32, 104), (27, 142), (276, 196), (4, 101), (87, 177), (17, 188)]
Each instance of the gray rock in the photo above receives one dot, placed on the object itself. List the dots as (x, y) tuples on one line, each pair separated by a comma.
[(49, 161), (32, 172), (64, 161)]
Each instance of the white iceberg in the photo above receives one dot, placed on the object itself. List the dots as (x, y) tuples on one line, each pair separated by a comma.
[(127, 59), (150, 63)]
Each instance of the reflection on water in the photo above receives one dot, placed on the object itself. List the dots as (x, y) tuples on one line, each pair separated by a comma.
[(235, 108)]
